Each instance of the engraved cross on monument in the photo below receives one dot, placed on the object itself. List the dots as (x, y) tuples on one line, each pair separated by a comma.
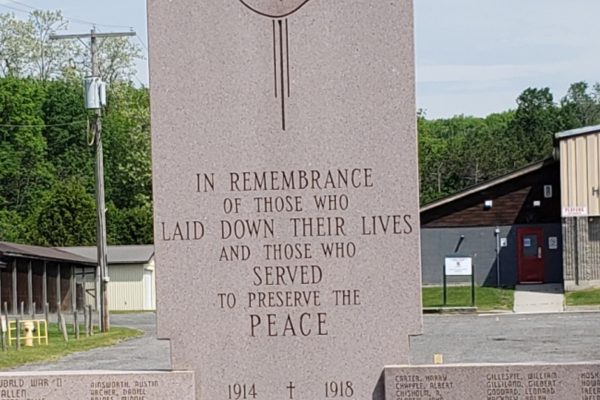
[(288, 262), (278, 12)]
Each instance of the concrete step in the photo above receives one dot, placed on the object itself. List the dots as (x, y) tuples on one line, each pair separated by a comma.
[(543, 298)]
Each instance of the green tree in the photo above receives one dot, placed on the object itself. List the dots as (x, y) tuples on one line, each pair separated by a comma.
[(25, 172), (14, 55), (27, 51), (49, 58), (579, 107), (66, 131), (127, 146), (11, 226), (131, 225), (66, 216), (458, 152), (433, 162), (127, 162), (116, 58), (536, 121)]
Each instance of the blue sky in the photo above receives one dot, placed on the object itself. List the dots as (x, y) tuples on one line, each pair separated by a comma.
[(474, 57)]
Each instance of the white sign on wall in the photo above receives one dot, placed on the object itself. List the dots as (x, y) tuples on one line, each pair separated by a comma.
[(553, 243), (458, 266), (574, 212)]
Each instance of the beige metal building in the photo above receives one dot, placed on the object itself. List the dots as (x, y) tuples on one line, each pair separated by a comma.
[(580, 200), (131, 270)]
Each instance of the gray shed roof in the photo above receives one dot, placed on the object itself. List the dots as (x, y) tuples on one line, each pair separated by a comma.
[(134, 254), (586, 130), (43, 253)]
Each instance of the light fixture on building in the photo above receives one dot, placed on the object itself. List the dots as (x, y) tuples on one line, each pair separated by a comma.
[(537, 203), (488, 204)]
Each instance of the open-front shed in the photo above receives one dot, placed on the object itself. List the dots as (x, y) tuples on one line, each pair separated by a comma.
[(34, 276)]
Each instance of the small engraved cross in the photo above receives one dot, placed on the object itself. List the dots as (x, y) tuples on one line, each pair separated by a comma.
[(291, 387)]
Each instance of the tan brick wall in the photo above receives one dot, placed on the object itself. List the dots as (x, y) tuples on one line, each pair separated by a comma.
[(581, 257)]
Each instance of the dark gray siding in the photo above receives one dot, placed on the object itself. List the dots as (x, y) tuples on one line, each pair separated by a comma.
[(480, 243)]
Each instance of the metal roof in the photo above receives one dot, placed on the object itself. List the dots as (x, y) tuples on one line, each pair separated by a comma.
[(134, 254), (43, 253), (586, 130)]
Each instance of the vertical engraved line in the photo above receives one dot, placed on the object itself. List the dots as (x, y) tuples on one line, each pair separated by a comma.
[(274, 60), (287, 55), (281, 75)]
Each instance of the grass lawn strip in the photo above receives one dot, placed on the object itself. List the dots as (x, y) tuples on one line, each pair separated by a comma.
[(58, 348), (588, 297), (486, 298)]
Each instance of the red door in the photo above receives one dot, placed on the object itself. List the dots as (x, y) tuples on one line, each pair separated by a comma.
[(530, 255)]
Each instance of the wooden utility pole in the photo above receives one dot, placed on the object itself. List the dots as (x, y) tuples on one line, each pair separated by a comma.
[(102, 278)]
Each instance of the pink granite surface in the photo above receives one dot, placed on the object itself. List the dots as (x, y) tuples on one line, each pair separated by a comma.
[(97, 385), (276, 141), (576, 381)]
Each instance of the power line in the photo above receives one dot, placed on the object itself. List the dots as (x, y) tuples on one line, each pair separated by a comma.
[(15, 8), (142, 42), (22, 4), (42, 125), (72, 19), (142, 84)]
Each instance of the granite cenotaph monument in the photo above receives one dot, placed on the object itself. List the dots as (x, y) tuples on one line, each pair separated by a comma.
[(286, 193)]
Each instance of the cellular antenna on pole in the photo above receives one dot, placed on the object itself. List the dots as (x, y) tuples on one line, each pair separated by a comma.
[(95, 97)]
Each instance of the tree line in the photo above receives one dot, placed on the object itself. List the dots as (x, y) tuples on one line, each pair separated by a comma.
[(462, 151), (47, 162)]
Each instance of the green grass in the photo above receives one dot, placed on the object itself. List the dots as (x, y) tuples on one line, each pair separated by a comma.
[(583, 298), (486, 298), (124, 312), (58, 348)]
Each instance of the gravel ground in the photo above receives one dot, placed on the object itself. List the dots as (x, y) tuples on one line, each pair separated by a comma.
[(144, 353), (561, 337), (564, 337)]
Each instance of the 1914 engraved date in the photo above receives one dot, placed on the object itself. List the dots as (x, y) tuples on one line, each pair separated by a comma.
[(241, 391)]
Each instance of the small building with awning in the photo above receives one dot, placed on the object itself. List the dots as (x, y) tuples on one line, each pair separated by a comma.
[(35, 276)]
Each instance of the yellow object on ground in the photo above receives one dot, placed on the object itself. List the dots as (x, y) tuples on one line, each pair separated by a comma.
[(28, 328), (40, 333)]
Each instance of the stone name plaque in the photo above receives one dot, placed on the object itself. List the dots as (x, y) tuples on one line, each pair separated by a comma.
[(286, 193), (579, 381), (97, 385)]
